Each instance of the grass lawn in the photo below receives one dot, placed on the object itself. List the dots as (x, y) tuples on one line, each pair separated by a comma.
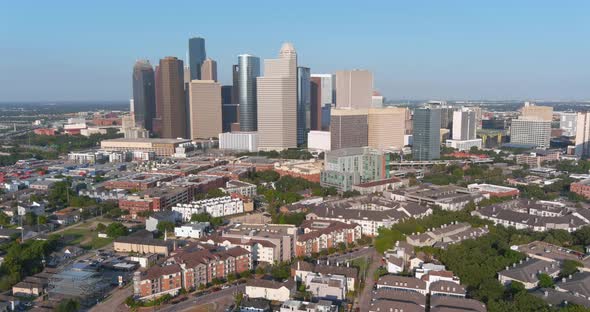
[(85, 238)]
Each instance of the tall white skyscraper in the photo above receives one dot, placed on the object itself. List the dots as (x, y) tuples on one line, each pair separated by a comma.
[(464, 124), (277, 101), (583, 134), (567, 123)]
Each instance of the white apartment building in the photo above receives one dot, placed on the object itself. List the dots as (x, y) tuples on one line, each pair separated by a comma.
[(193, 230), (319, 140), (239, 141), (216, 207), (531, 132), (464, 145), (240, 187)]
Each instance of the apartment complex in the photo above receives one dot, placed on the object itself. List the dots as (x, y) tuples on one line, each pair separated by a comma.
[(344, 168), (370, 212), (321, 235), (216, 207), (278, 238), (195, 265)]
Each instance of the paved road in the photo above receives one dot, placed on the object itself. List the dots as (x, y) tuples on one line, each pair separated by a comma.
[(193, 301), (362, 252), (364, 300), (115, 303)]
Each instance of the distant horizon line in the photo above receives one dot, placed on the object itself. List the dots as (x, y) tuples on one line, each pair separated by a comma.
[(388, 101)]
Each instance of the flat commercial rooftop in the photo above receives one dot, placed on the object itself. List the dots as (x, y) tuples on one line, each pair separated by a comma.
[(149, 140)]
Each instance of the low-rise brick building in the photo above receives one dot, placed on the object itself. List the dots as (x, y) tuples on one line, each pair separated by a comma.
[(321, 235), (191, 267)]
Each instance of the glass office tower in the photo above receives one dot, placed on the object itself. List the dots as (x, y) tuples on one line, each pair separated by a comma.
[(248, 69), (303, 104), (144, 94), (426, 137), (196, 56)]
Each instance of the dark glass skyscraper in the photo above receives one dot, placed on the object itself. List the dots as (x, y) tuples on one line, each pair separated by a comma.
[(196, 56), (248, 70), (426, 137), (144, 96), (303, 104)]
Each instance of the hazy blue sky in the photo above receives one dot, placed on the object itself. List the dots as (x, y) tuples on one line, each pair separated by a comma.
[(85, 50)]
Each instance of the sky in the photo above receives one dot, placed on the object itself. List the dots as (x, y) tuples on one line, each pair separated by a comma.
[(453, 50)]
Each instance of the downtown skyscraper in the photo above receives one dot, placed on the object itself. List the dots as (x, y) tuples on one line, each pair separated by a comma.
[(204, 109), (303, 104), (248, 70), (277, 101), (196, 56), (144, 94), (354, 89), (172, 96), (426, 127), (209, 70)]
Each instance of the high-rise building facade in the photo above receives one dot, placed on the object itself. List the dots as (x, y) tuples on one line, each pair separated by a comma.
[(303, 104), (583, 134), (144, 94), (326, 116), (235, 93), (568, 123), (377, 100), (248, 71), (426, 134), (229, 109), (157, 121), (171, 92), (354, 89), (530, 132), (386, 127), (323, 93), (205, 109), (209, 70), (277, 101), (315, 92), (349, 128), (229, 116), (196, 56), (464, 124), (532, 111)]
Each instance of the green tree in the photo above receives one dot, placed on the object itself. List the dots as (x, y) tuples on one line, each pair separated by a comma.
[(545, 281), (165, 226), (116, 229), (569, 267), (30, 218), (4, 219), (68, 305), (101, 227)]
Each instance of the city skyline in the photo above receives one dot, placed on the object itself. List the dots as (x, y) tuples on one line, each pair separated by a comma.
[(526, 50)]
